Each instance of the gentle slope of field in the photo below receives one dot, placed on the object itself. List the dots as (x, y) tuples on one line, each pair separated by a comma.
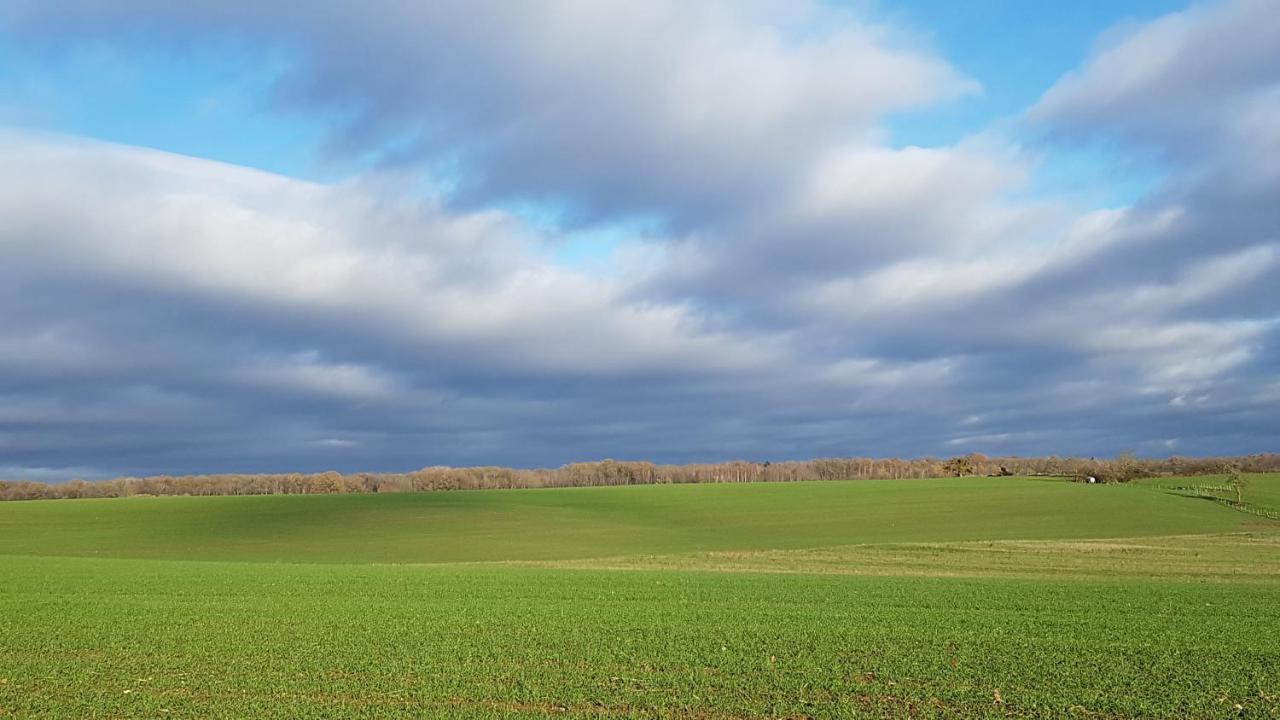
[(481, 525), (949, 598)]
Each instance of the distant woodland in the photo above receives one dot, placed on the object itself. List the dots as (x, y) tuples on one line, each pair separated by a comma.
[(610, 472)]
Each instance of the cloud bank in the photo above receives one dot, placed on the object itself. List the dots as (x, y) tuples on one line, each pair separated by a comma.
[(801, 287)]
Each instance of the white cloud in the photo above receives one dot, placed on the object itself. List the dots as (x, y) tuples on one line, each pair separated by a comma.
[(416, 272), (813, 290), (683, 110), (1177, 82)]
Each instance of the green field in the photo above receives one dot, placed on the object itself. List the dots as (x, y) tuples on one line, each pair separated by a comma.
[(984, 597)]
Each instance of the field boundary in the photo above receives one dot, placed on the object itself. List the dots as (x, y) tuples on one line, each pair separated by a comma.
[(1208, 492)]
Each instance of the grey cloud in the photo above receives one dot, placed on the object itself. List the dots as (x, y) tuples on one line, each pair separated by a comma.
[(815, 292), (187, 324)]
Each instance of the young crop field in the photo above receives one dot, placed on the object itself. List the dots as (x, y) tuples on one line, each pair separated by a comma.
[(976, 597)]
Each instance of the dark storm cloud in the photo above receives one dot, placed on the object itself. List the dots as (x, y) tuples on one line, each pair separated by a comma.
[(812, 292)]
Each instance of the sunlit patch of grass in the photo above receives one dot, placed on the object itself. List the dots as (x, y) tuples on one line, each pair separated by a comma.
[(1223, 557)]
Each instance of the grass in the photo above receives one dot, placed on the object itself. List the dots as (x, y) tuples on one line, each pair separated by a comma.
[(487, 525), (1262, 491), (1253, 556), (956, 598)]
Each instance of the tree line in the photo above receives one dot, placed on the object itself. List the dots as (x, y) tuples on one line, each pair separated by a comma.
[(609, 472)]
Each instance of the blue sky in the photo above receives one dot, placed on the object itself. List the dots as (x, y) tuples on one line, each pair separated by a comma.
[(389, 236), (210, 103), (1015, 49), (216, 101)]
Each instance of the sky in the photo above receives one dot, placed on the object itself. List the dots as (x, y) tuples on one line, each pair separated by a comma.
[(299, 236)]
